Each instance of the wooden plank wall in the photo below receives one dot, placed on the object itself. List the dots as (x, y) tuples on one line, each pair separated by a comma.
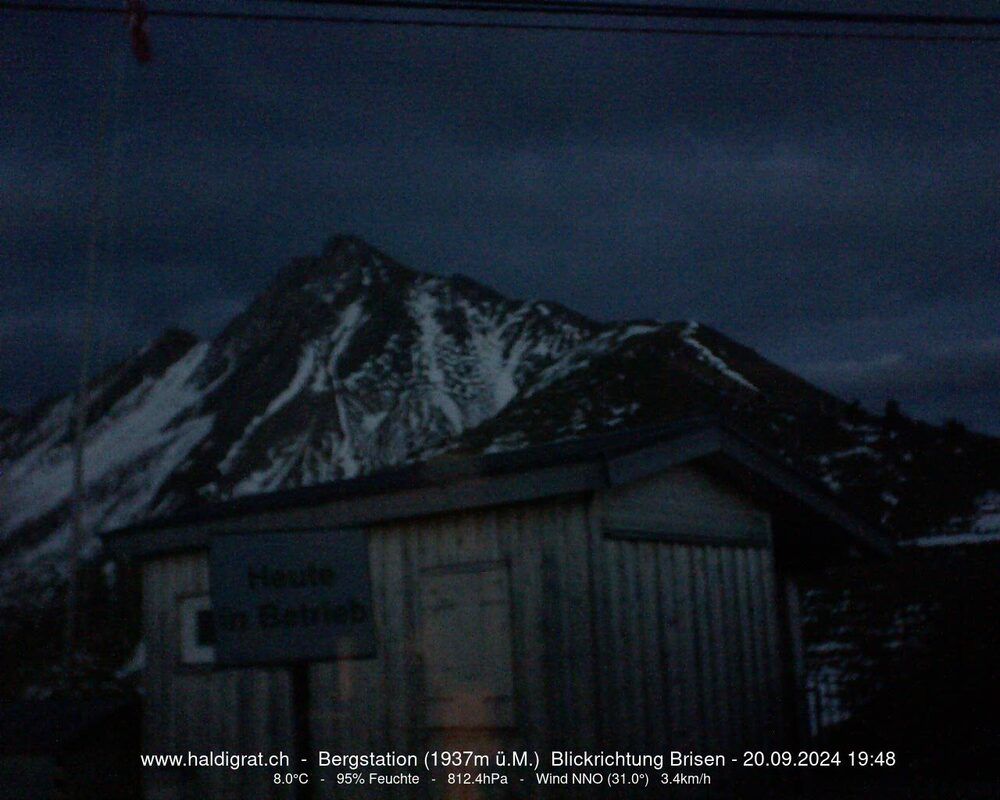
[(375, 704), (196, 709), (686, 505), (637, 645), (689, 644)]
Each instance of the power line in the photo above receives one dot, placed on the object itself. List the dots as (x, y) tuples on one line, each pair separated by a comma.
[(663, 10), (226, 16)]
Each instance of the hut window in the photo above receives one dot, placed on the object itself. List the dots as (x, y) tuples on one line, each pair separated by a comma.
[(466, 646), (197, 630)]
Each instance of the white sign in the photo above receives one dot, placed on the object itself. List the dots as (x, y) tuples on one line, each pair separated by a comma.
[(296, 596)]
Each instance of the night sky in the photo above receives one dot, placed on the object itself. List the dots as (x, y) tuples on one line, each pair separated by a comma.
[(834, 205)]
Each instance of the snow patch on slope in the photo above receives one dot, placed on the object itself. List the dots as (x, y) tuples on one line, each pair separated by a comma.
[(432, 338), (340, 337), (303, 373), (710, 358), (132, 450), (581, 356)]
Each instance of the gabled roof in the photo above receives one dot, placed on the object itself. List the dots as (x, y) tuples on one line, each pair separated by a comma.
[(455, 482)]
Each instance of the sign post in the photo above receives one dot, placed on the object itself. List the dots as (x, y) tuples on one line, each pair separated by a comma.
[(292, 598), (301, 690)]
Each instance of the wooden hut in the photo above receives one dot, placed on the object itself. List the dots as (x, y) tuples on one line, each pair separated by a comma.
[(631, 592)]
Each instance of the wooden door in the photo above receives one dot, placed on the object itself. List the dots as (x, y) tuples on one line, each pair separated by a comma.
[(465, 643)]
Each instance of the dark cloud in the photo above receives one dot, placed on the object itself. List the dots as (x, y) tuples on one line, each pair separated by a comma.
[(958, 381), (827, 203)]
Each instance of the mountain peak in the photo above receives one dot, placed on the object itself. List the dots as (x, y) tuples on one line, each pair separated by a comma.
[(173, 339), (344, 260), (345, 244)]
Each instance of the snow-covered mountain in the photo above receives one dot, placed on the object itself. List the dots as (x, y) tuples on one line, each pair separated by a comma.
[(350, 362), (347, 363)]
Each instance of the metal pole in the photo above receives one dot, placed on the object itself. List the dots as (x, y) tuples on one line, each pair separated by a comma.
[(82, 404), (301, 710)]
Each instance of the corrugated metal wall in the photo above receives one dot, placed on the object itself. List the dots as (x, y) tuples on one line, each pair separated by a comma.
[(636, 645)]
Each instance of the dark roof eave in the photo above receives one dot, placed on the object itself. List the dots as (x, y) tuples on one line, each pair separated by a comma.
[(806, 492), (724, 442)]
